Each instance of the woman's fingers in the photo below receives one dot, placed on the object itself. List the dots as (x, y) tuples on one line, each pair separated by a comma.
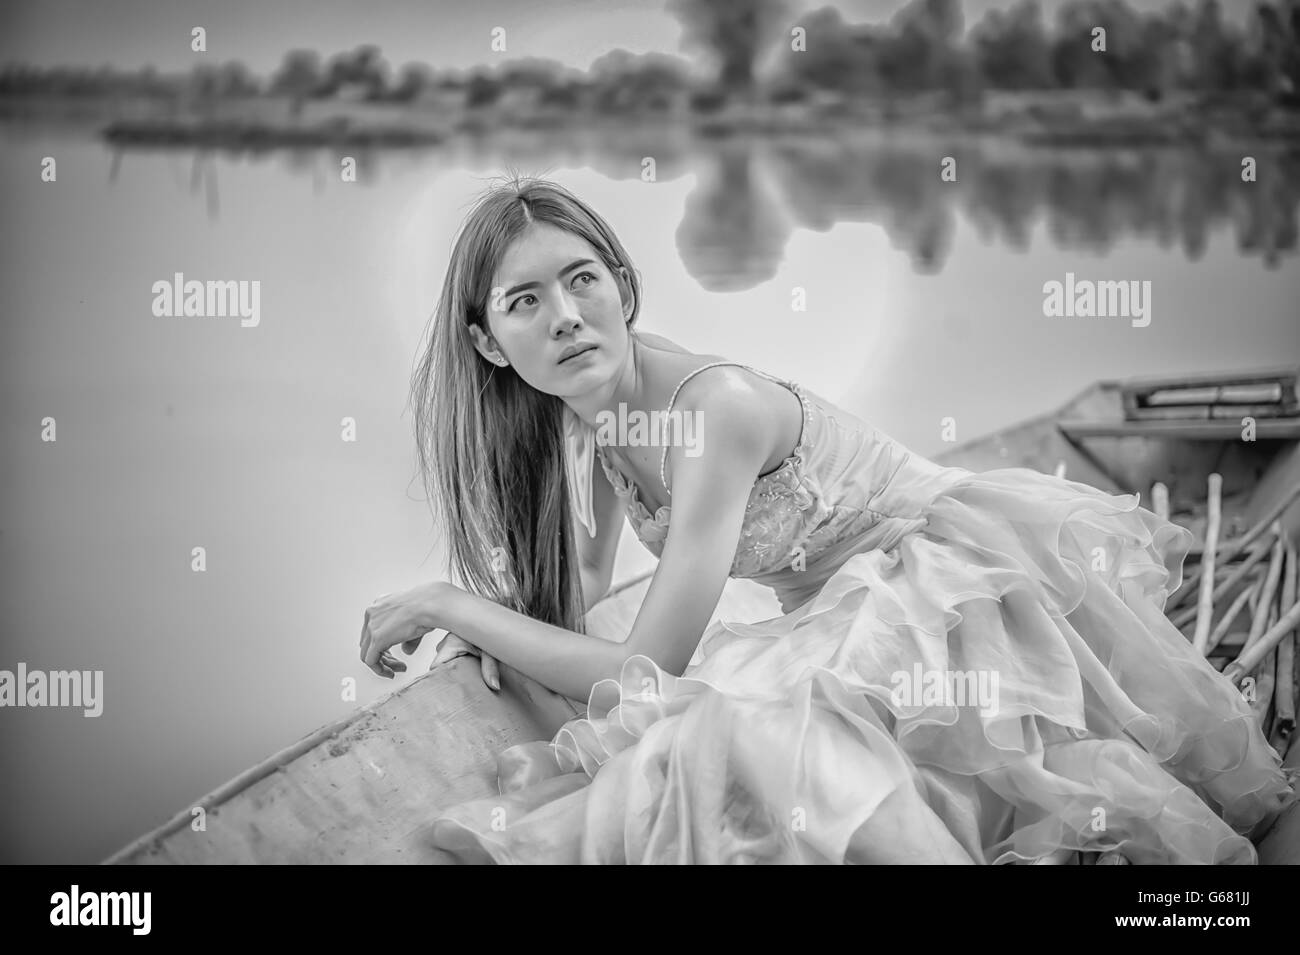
[(386, 625), (491, 672), (366, 637), (410, 646), (451, 647), (375, 652), (376, 662), (365, 622)]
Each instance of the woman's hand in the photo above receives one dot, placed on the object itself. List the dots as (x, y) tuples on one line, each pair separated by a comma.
[(453, 646), (405, 618), (398, 618)]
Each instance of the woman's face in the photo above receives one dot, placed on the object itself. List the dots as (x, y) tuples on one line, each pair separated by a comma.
[(556, 313)]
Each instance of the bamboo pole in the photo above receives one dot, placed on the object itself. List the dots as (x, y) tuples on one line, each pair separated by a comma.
[(1234, 547), (1263, 547), (1233, 578), (1205, 606), (1265, 678), (1228, 648), (1260, 624), (1249, 594), (1252, 655), (1160, 500), (1268, 520), (1284, 691)]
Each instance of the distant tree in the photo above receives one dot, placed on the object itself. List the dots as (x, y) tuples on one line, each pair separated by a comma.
[(483, 89), (299, 77), (533, 71), (840, 56), (734, 33), (363, 67), (1167, 38), (940, 20), (921, 52), (203, 83), (566, 97), (708, 100), (147, 82), (1012, 49), (1289, 15), (1214, 50), (412, 81), (625, 80), (1274, 41), (235, 79), (1145, 53), (1075, 64)]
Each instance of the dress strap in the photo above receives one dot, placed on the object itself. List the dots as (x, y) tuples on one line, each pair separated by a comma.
[(663, 459)]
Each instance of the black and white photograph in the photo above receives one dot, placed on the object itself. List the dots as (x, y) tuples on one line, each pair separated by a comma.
[(682, 432)]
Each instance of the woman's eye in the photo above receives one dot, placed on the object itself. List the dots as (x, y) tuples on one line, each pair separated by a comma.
[(587, 275)]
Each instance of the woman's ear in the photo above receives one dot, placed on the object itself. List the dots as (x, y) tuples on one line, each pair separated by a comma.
[(625, 292), (487, 346)]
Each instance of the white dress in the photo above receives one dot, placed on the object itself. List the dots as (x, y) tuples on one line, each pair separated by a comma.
[(972, 667)]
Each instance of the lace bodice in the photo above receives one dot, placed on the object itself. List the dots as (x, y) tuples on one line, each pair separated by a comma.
[(846, 487)]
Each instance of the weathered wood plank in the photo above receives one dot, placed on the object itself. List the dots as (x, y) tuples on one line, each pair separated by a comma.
[(362, 792), (363, 789), (1286, 429)]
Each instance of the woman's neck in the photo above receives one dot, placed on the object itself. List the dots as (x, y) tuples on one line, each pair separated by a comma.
[(645, 384)]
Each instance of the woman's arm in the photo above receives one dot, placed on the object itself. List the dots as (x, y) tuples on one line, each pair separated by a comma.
[(568, 663), (710, 495), (710, 492)]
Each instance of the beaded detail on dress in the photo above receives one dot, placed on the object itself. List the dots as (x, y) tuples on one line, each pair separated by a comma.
[(790, 518)]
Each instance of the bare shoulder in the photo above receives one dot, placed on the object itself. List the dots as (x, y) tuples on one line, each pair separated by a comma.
[(733, 386), (738, 405)]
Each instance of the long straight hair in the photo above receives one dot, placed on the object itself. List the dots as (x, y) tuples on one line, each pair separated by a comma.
[(491, 446)]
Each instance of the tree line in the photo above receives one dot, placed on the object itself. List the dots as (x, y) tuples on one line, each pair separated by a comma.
[(757, 48)]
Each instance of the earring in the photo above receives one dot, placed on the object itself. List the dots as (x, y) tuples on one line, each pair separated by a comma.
[(501, 361)]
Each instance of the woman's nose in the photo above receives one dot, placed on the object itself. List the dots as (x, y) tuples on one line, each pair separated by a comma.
[(566, 315)]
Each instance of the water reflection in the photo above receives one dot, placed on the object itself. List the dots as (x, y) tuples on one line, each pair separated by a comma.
[(734, 230), (751, 195)]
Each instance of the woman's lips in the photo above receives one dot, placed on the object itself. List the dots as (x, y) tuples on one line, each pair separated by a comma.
[(586, 351)]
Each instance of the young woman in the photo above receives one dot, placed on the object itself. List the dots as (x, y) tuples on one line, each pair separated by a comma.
[(969, 668)]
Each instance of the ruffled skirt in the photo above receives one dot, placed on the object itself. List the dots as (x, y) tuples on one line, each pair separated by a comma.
[(1000, 684)]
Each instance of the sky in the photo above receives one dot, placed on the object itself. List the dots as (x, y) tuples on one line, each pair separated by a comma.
[(129, 34)]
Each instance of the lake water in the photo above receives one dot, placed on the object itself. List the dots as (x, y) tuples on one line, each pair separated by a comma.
[(924, 299)]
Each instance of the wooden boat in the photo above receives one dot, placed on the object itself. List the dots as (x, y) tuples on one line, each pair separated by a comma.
[(363, 789)]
